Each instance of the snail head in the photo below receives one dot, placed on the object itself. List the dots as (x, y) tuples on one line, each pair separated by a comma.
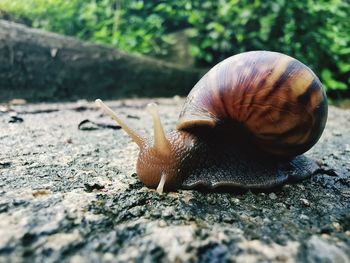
[(157, 165)]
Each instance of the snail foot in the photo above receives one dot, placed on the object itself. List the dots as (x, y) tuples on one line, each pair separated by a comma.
[(238, 168)]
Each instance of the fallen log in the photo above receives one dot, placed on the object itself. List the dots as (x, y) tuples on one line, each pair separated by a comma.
[(41, 66)]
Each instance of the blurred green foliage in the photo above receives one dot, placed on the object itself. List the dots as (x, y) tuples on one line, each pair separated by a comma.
[(317, 32)]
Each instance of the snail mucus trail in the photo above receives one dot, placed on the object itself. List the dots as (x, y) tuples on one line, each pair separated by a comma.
[(244, 124)]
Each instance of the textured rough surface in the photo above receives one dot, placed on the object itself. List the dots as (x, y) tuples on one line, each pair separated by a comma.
[(70, 195)]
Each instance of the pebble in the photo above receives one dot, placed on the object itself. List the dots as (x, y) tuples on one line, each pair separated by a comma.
[(303, 217), (162, 223), (168, 212), (266, 220), (336, 226), (273, 196), (236, 201), (305, 202)]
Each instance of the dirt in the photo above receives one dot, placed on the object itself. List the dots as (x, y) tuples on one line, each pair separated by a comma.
[(72, 195)]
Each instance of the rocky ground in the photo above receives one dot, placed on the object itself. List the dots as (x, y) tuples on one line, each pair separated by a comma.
[(71, 195)]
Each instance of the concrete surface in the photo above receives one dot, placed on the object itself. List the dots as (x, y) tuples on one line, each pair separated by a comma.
[(71, 195)]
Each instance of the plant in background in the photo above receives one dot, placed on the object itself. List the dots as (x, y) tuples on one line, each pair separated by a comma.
[(315, 32)]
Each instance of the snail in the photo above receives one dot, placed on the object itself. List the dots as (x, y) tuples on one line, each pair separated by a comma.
[(246, 123)]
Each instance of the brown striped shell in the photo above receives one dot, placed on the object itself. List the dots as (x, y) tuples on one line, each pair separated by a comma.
[(276, 99)]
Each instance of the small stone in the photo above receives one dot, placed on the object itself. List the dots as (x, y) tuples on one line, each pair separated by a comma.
[(305, 202), (167, 212), (236, 201), (303, 217), (301, 187), (266, 220), (162, 223), (187, 197), (244, 218), (336, 226), (273, 196), (177, 98), (136, 211)]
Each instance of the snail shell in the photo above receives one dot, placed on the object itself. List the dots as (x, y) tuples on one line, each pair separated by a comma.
[(277, 100), (245, 124)]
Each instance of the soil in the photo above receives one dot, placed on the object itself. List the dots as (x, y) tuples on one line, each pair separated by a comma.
[(70, 194)]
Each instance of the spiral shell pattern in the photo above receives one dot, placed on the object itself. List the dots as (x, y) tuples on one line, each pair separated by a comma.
[(275, 97)]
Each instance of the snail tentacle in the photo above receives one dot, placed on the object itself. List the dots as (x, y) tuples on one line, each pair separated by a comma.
[(161, 184), (139, 140), (161, 143)]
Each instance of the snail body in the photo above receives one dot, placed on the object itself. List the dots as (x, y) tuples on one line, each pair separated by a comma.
[(245, 124)]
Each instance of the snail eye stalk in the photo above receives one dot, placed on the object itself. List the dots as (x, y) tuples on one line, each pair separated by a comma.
[(131, 132), (161, 143)]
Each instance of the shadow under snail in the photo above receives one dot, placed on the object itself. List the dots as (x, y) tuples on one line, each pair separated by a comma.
[(244, 124)]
